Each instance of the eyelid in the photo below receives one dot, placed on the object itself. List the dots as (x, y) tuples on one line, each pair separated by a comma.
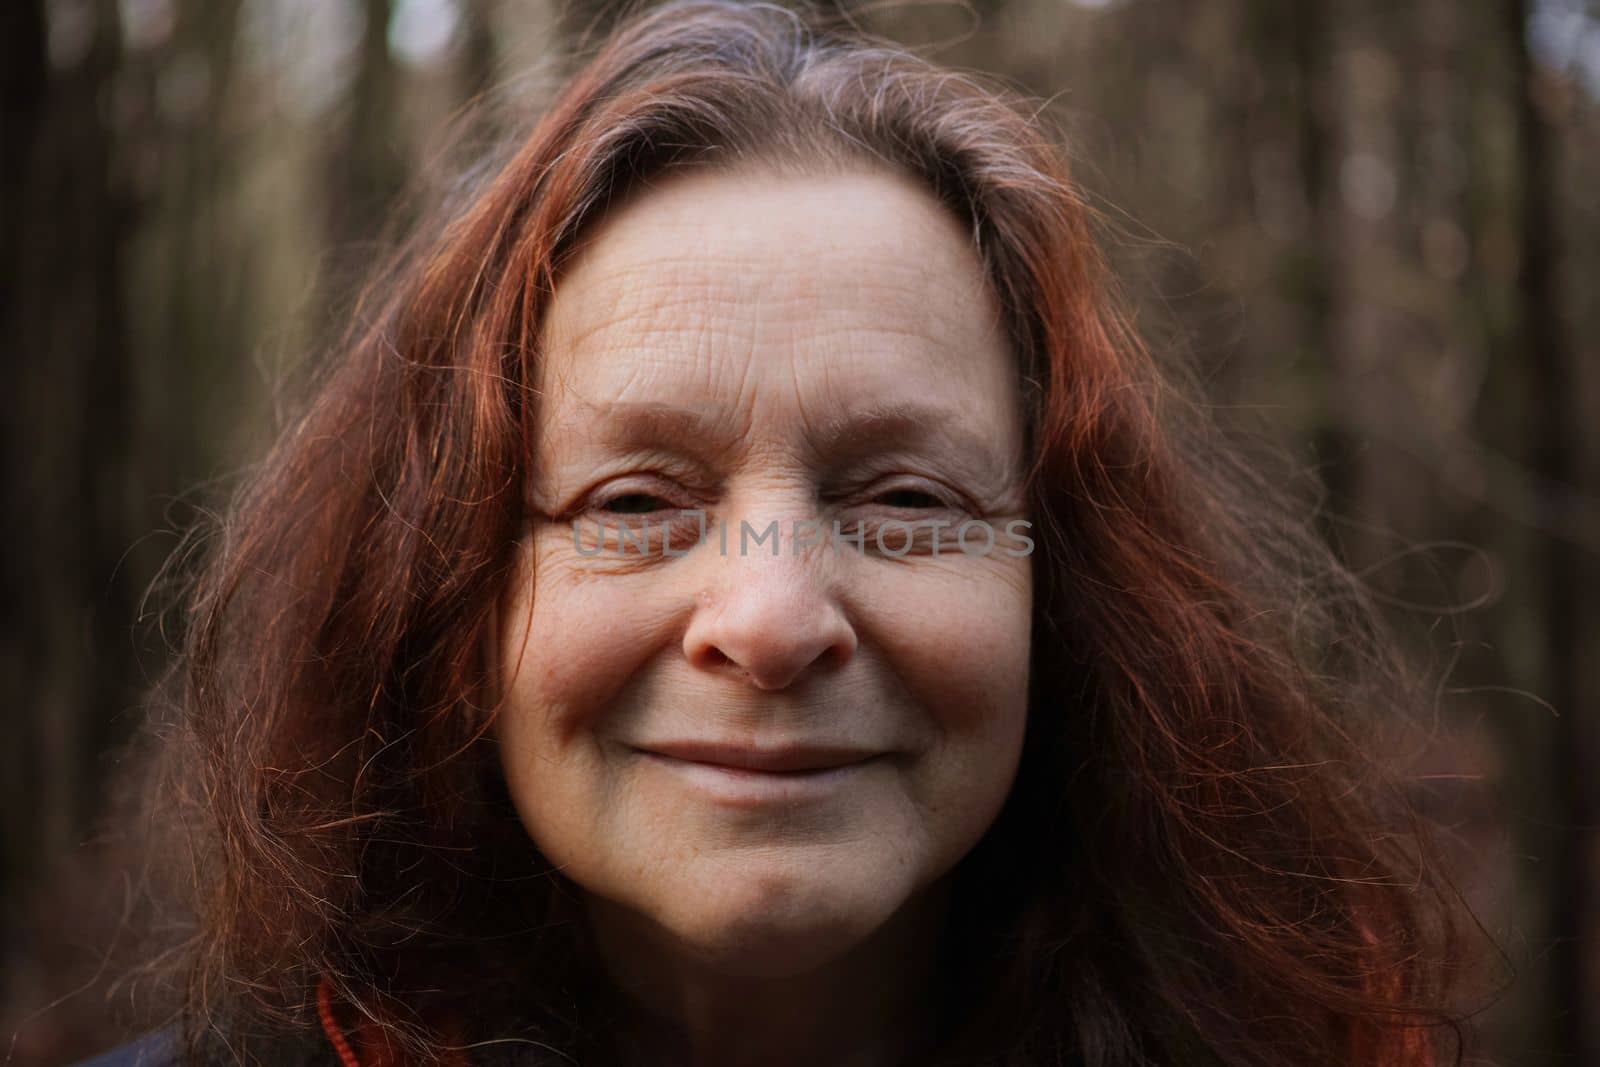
[(641, 483), (945, 494)]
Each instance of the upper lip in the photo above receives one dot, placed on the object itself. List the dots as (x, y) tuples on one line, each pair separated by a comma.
[(779, 758)]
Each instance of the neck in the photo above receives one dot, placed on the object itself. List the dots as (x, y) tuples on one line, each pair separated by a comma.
[(872, 1006)]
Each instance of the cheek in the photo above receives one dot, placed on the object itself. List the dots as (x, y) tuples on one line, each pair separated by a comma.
[(563, 661), (561, 666), (957, 635)]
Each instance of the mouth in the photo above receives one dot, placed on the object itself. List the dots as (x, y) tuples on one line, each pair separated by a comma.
[(758, 779), (785, 760)]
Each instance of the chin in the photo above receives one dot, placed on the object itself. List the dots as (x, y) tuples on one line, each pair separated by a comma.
[(767, 924)]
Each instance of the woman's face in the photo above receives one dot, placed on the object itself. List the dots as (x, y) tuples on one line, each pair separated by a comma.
[(769, 349)]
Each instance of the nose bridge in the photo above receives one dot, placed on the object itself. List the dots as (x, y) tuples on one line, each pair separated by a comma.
[(769, 607)]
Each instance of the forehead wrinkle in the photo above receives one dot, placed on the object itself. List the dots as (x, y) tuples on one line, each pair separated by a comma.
[(676, 302), (668, 411), (894, 293), (691, 298), (625, 317)]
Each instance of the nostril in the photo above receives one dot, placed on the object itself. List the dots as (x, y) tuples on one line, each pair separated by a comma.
[(768, 634), (838, 654)]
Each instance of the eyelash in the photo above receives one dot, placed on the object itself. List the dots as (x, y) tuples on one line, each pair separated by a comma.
[(607, 503), (938, 501)]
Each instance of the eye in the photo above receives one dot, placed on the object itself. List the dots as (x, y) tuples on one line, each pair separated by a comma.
[(633, 502), (911, 498)]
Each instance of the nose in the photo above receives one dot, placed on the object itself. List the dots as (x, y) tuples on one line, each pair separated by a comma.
[(769, 618)]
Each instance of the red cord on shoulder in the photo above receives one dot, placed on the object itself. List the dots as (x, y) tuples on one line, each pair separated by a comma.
[(330, 1025), (369, 1045)]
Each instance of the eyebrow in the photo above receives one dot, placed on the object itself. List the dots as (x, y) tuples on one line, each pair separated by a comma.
[(881, 427)]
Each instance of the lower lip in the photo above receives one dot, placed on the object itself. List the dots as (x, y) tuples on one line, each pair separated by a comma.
[(741, 785)]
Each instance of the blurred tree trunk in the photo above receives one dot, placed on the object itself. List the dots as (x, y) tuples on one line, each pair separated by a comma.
[(24, 78), (368, 164), (1360, 157), (201, 342), (480, 57), (1320, 148), (1554, 456), (68, 652)]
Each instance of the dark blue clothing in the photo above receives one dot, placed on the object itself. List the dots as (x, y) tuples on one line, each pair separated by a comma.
[(160, 1048), (155, 1049)]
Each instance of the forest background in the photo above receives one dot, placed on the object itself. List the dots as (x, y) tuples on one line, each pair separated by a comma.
[(1372, 226)]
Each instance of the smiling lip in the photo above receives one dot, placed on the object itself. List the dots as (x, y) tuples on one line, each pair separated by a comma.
[(789, 759)]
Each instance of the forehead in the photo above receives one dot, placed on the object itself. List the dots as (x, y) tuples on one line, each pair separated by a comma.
[(716, 284)]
